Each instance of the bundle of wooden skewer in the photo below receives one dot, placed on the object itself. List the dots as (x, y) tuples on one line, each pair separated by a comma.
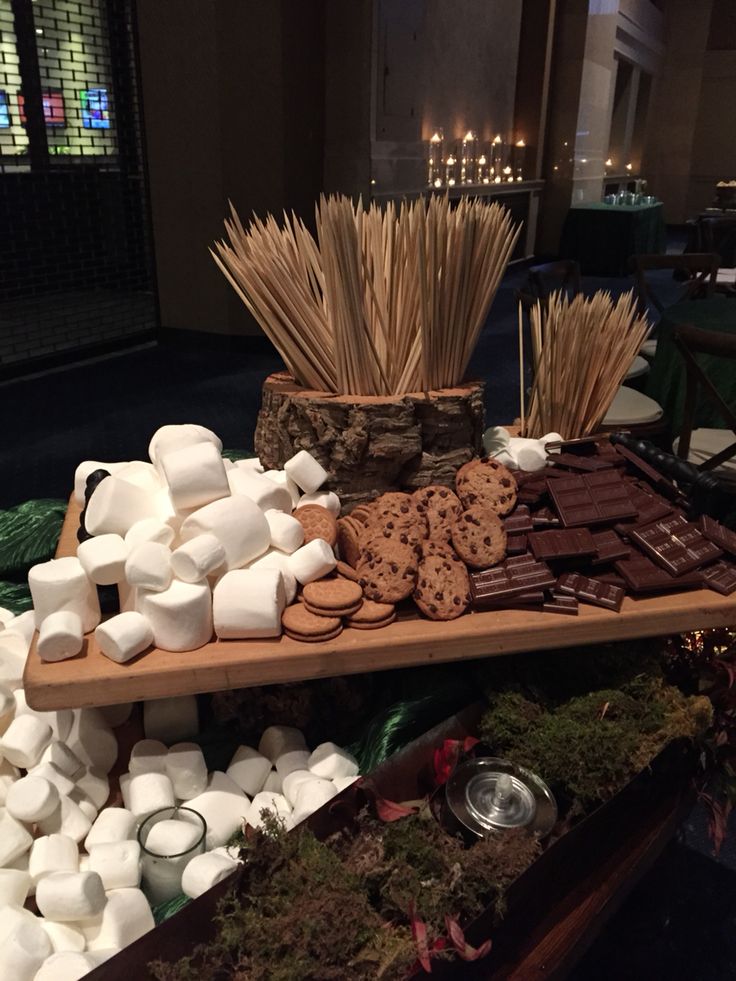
[(581, 351), (383, 302)]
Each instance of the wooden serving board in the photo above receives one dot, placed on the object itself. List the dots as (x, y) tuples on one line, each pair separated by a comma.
[(92, 679)]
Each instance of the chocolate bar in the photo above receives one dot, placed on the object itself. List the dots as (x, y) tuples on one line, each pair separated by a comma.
[(721, 577), (609, 547), (612, 578), (517, 544), (577, 462), (545, 518), (518, 522), (591, 590), (591, 499), (566, 543), (581, 445), (643, 576), (559, 603), (722, 537), (675, 544), (524, 601), (520, 574), (654, 477)]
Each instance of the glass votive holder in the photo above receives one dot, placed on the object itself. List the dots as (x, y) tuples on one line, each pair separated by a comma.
[(169, 839), (610, 199)]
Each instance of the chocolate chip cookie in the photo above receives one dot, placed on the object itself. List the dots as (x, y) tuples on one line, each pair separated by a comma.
[(487, 482), (479, 537), (389, 571), (443, 587), (439, 505)]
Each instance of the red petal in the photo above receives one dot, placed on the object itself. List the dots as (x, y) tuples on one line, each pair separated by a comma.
[(389, 810), (465, 951), (419, 933)]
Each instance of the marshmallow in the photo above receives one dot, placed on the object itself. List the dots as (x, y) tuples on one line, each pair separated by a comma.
[(331, 761), (187, 770), (64, 938), (143, 475), (249, 769), (85, 469), (61, 720), (52, 853), (62, 584), (312, 561), (66, 965), (11, 917), (149, 792), (60, 636), (287, 534), (172, 838), (31, 799), (118, 863), (168, 438), (274, 784), (248, 604), (505, 457), (22, 954), (14, 887), (123, 637), (223, 805), (341, 783), (14, 839), (92, 740), (13, 655), (277, 740), (172, 720), (116, 715), (237, 522), (292, 759), (229, 851), (267, 494), (251, 464), (149, 567), (127, 597), (293, 781), (116, 505), (112, 824), (147, 756), (95, 786), (24, 740), (86, 806), (70, 896), (195, 474), (530, 454), (205, 871), (495, 438), (149, 530), (326, 499), (103, 558), (6, 616), (274, 559), (7, 707), (51, 772), (58, 753), (124, 919), (197, 558), (8, 775), (310, 797), (276, 804), (68, 819), (551, 438), (306, 472), (284, 480), (180, 616)]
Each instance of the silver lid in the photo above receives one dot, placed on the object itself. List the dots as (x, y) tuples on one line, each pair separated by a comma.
[(490, 794)]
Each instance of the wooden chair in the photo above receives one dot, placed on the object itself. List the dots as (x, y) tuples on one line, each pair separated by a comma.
[(696, 269), (708, 449), (561, 275)]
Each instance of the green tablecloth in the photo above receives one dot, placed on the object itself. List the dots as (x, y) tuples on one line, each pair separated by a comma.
[(666, 381), (602, 237)]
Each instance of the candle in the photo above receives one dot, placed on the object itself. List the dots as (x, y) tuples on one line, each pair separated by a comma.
[(467, 159), (450, 170), (435, 157), (169, 839)]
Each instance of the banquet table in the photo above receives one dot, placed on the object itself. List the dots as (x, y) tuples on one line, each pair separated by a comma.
[(603, 237), (666, 383)]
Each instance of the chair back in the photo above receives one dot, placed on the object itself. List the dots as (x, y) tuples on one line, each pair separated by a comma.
[(717, 235), (562, 275), (692, 341), (697, 270)]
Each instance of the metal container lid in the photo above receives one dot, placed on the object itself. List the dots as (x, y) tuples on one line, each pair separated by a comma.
[(490, 794)]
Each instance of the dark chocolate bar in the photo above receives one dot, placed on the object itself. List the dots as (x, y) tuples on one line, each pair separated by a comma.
[(643, 576), (565, 543), (591, 499), (675, 544), (721, 577), (609, 547), (559, 603), (654, 477), (722, 537), (591, 590), (517, 544), (519, 574), (612, 578), (532, 600), (577, 462), (518, 522), (545, 518)]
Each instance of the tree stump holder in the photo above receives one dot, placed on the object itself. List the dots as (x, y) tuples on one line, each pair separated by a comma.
[(371, 444)]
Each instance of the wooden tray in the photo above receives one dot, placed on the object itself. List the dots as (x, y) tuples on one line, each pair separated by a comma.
[(92, 679)]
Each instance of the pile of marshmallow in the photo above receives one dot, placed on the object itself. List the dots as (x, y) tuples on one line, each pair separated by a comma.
[(193, 542), (518, 452)]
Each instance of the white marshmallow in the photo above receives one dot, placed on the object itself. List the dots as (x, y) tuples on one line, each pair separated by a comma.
[(103, 558), (86, 807), (60, 636), (15, 840), (68, 819), (195, 474), (11, 917), (148, 792), (62, 584), (6, 616), (180, 616), (293, 781), (331, 761), (14, 645), (14, 887), (52, 853), (251, 463), (529, 454), (248, 604), (276, 804), (172, 838), (267, 494), (143, 475), (112, 824), (326, 499), (197, 558), (274, 559), (505, 457), (7, 707), (341, 783), (249, 769), (292, 759), (118, 864), (58, 753), (93, 740), (273, 784), (66, 965), (187, 770), (95, 785), (287, 534), (8, 775), (24, 740), (168, 438), (116, 505), (149, 567), (70, 896), (551, 438), (281, 478), (312, 561), (124, 919), (125, 636), (229, 851), (64, 938), (277, 740), (31, 799), (85, 469), (22, 954), (237, 522), (51, 772), (205, 871), (311, 796), (223, 805), (116, 715), (172, 720), (149, 530), (61, 720), (147, 756), (127, 597), (306, 472)]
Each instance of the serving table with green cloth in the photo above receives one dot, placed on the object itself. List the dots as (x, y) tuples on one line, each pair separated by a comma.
[(603, 237), (666, 381)]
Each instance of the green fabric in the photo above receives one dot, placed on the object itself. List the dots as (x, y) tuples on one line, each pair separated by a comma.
[(16, 597), (666, 383), (28, 535), (603, 237), (166, 910)]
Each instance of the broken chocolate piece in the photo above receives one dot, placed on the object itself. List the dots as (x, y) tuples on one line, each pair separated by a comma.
[(518, 522), (559, 603), (675, 543), (643, 576), (566, 543), (519, 574), (591, 590), (609, 547), (715, 532), (721, 577)]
